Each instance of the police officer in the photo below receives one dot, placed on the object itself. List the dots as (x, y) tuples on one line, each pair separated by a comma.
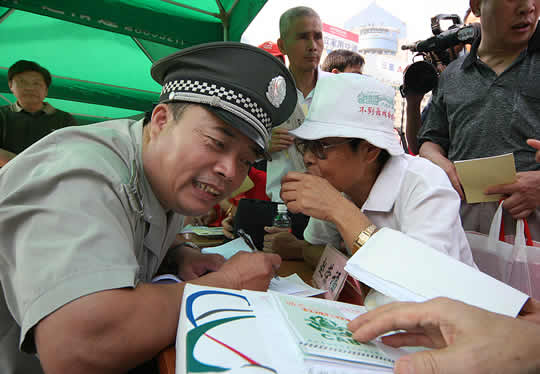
[(88, 214)]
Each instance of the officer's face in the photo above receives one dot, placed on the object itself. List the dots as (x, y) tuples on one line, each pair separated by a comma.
[(195, 162), (303, 43), (29, 88), (507, 24)]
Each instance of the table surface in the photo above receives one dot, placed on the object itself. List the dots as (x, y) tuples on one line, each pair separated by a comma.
[(167, 358)]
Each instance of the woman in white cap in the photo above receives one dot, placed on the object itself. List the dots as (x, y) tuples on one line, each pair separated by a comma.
[(359, 178)]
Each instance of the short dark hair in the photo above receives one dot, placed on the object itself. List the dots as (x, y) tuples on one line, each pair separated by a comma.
[(340, 59), (381, 158), (23, 66), (290, 15), (177, 109)]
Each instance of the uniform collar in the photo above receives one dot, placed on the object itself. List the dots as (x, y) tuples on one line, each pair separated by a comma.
[(386, 188), (470, 59), (154, 213), (47, 108)]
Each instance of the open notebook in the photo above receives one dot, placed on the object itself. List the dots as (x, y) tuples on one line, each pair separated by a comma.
[(223, 330)]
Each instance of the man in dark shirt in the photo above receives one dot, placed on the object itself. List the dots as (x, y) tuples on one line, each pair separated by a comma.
[(487, 104), (30, 118)]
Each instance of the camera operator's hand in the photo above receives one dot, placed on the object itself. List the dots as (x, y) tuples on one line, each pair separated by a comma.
[(436, 154)]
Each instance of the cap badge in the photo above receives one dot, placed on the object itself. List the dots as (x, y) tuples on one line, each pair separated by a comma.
[(277, 90)]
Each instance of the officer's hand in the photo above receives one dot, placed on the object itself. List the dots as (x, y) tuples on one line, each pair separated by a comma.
[(193, 264), (250, 271)]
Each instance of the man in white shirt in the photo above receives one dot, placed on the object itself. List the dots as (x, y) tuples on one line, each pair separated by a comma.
[(359, 179), (301, 40)]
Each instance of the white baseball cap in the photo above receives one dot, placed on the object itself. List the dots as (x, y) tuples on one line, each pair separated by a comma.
[(350, 105)]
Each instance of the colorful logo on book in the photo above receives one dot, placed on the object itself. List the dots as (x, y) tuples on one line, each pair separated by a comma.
[(202, 330), (330, 330)]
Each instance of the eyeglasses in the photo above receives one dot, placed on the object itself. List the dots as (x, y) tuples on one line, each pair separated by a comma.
[(316, 147)]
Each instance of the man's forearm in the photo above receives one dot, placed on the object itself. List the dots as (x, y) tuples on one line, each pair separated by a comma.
[(433, 152), (414, 122), (115, 330)]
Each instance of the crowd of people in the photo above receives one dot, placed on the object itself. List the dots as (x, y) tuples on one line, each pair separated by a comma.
[(88, 214)]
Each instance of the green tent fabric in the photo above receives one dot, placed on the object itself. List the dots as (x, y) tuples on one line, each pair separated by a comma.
[(100, 52)]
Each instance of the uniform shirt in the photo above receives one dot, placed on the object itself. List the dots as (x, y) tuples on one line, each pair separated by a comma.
[(477, 113), (289, 159), (20, 129), (77, 216), (414, 196)]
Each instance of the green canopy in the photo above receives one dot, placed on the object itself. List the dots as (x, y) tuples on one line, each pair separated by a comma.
[(100, 51)]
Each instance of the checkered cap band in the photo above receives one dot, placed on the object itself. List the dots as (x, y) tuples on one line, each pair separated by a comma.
[(237, 99)]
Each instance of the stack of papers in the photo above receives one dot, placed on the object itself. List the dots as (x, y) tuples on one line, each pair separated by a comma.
[(229, 249), (203, 230), (408, 270)]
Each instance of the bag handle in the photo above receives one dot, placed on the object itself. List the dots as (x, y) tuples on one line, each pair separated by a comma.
[(526, 230)]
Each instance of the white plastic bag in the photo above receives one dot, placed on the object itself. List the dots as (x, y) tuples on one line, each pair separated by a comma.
[(511, 261)]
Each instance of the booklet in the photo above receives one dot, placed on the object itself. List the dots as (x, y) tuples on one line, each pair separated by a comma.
[(321, 332), (408, 270), (479, 173), (246, 331)]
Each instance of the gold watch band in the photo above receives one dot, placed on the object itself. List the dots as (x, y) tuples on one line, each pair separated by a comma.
[(363, 237)]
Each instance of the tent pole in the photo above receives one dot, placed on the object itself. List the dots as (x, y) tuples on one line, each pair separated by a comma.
[(191, 8), (6, 15), (146, 53), (225, 18)]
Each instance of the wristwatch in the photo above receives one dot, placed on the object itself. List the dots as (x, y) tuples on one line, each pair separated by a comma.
[(363, 237)]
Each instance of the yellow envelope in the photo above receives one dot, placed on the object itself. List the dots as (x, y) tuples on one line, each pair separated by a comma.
[(479, 173)]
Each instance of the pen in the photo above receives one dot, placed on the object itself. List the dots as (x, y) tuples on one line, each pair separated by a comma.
[(247, 238)]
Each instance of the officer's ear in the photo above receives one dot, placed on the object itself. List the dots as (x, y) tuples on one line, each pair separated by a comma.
[(160, 117)]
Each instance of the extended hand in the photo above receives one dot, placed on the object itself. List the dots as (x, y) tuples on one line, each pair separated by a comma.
[(280, 140), (312, 195), (524, 194), (466, 339), (193, 264)]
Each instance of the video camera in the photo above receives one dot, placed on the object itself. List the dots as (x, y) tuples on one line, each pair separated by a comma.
[(421, 76)]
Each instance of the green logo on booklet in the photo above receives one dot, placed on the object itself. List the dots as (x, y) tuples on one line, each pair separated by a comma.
[(331, 330)]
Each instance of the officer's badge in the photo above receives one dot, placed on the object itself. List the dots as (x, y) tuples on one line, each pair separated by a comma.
[(277, 90)]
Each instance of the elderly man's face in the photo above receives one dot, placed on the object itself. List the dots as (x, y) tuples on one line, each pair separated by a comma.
[(30, 89), (508, 24), (195, 162), (303, 43), (344, 168)]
